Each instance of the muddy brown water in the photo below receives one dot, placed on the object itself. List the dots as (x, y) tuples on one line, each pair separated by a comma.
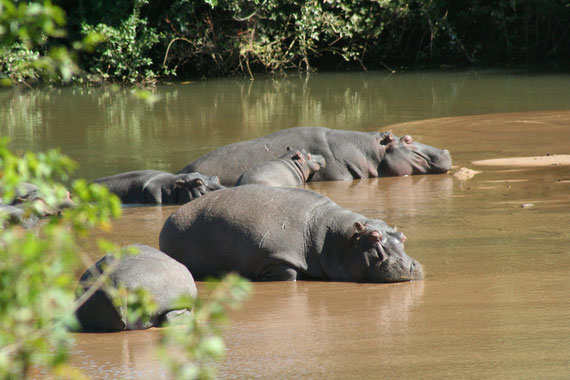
[(495, 302)]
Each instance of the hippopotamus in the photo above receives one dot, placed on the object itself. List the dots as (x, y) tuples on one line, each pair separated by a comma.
[(28, 192), (15, 215), (348, 154), (284, 234), (155, 186), (165, 279), (25, 195), (291, 169)]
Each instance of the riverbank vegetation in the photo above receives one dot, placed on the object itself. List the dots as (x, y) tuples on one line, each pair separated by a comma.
[(142, 40)]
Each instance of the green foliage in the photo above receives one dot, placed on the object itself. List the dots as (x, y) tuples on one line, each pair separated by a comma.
[(29, 50), (30, 22), (37, 277), (124, 53), (145, 39), (219, 37), (189, 346)]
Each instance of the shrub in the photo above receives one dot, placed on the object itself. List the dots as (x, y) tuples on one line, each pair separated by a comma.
[(124, 55)]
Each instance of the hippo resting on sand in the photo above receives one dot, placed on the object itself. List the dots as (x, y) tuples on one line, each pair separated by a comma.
[(284, 234), (348, 154), (154, 186), (292, 169), (163, 278)]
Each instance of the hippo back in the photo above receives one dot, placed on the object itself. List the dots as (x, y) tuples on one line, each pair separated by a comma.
[(230, 161), (241, 229), (164, 279)]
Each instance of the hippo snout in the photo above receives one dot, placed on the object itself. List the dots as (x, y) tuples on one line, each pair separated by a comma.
[(401, 269), (416, 271), (440, 162)]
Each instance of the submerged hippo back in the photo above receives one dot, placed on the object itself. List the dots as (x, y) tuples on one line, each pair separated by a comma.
[(230, 161), (268, 233), (240, 228), (164, 279)]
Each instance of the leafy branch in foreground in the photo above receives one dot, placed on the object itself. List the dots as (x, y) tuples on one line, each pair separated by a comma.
[(37, 266), (188, 348), (38, 275), (31, 46)]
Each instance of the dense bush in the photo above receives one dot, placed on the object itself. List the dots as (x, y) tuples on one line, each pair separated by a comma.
[(220, 37)]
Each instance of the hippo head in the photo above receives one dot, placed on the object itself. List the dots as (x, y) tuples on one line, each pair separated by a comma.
[(27, 192), (377, 255), (193, 185), (314, 161), (404, 156), (307, 163)]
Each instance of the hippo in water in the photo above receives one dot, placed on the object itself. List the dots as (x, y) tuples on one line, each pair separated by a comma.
[(292, 169), (27, 206), (284, 234), (163, 278), (348, 154), (154, 186)]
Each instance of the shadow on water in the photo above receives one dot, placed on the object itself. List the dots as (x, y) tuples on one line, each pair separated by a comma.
[(495, 247)]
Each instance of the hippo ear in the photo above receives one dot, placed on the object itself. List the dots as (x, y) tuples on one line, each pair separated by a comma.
[(375, 236), (387, 138), (289, 149), (359, 227), (179, 184), (197, 183)]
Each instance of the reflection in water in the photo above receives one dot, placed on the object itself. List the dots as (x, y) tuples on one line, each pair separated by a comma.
[(390, 198), (109, 132), (495, 300), (312, 329), (126, 355)]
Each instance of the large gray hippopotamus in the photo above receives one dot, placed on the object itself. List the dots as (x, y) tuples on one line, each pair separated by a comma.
[(165, 279), (154, 186), (278, 234), (292, 169), (348, 154)]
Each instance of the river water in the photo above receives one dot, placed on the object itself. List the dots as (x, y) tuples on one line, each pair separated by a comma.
[(495, 248)]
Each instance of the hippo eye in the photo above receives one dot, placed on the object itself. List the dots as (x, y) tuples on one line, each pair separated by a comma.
[(407, 139), (375, 237), (197, 182)]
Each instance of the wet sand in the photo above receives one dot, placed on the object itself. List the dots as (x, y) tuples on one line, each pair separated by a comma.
[(556, 160)]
